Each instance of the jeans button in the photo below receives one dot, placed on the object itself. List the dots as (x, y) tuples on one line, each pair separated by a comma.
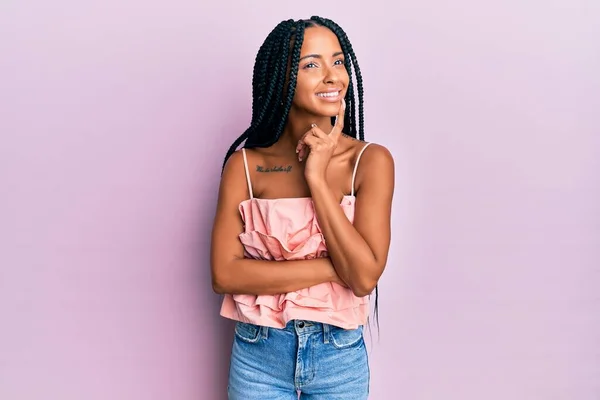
[(301, 324)]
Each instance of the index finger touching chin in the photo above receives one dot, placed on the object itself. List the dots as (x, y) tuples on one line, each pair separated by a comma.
[(339, 119)]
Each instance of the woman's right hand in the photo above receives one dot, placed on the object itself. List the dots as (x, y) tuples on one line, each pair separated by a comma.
[(334, 275)]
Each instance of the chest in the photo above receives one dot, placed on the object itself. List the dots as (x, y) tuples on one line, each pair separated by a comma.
[(280, 179)]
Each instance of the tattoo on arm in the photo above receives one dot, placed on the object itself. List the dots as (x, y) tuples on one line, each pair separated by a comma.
[(275, 168)]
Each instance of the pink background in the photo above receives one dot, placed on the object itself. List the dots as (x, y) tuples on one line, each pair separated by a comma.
[(115, 117)]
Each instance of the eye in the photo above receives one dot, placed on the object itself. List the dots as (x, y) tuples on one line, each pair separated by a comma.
[(310, 65), (339, 62)]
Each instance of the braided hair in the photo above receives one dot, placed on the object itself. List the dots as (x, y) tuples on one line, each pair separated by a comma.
[(272, 99), (273, 91)]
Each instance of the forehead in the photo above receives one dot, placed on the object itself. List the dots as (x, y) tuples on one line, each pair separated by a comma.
[(320, 40)]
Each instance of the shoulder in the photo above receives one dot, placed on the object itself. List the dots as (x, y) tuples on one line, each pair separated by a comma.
[(369, 152), (236, 160), (234, 172), (375, 169), (234, 164), (375, 155)]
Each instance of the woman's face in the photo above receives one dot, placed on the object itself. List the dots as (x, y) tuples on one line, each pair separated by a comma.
[(322, 77)]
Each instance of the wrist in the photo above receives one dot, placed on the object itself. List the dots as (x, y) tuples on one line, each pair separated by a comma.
[(316, 183), (332, 275), (325, 268)]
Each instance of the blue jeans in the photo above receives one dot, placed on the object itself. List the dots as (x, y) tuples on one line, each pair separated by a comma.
[(319, 360)]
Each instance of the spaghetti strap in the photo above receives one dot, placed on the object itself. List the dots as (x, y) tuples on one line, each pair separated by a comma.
[(247, 173), (356, 166)]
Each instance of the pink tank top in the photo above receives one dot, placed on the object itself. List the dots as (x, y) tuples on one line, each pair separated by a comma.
[(287, 229)]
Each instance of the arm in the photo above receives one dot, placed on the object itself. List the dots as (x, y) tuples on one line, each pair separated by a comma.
[(234, 274), (359, 252)]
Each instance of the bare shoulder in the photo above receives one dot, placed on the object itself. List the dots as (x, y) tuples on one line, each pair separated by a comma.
[(233, 180), (376, 167), (234, 166), (376, 155)]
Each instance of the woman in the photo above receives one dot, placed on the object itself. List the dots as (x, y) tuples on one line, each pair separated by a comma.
[(301, 232)]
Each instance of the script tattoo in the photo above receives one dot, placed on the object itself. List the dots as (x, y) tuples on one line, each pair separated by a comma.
[(280, 168)]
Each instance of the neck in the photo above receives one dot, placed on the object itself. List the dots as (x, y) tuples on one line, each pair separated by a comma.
[(298, 123)]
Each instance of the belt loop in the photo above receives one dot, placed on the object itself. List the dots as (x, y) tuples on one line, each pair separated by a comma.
[(326, 333), (265, 331)]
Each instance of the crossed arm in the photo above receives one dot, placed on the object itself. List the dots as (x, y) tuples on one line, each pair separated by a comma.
[(357, 252)]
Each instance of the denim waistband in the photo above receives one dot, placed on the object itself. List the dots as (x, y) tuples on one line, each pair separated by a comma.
[(305, 326), (302, 327)]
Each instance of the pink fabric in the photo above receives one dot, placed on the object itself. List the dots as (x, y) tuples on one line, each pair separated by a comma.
[(287, 229)]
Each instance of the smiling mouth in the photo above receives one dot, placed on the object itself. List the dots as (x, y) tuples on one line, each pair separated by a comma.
[(329, 94)]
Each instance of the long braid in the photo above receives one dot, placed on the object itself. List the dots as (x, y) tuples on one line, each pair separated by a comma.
[(265, 85), (272, 100), (270, 78), (291, 90), (258, 84), (234, 146), (274, 120)]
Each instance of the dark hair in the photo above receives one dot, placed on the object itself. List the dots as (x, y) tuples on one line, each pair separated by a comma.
[(272, 99)]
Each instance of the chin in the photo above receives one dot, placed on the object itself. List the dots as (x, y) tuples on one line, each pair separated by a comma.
[(329, 110)]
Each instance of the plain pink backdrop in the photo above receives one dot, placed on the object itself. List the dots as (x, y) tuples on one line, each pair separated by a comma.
[(115, 117)]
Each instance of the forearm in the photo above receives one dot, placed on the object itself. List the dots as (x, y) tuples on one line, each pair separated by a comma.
[(352, 258), (263, 277)]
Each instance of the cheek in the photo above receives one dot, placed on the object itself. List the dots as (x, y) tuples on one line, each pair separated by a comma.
[(304, 91), (345, 78)]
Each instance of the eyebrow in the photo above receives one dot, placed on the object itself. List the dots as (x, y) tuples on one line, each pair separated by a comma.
[(339, 53)]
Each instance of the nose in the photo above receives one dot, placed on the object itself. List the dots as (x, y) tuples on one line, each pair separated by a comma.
[(331, 76)]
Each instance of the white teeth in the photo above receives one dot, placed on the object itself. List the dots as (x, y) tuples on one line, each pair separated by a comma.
[(330, 94)]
